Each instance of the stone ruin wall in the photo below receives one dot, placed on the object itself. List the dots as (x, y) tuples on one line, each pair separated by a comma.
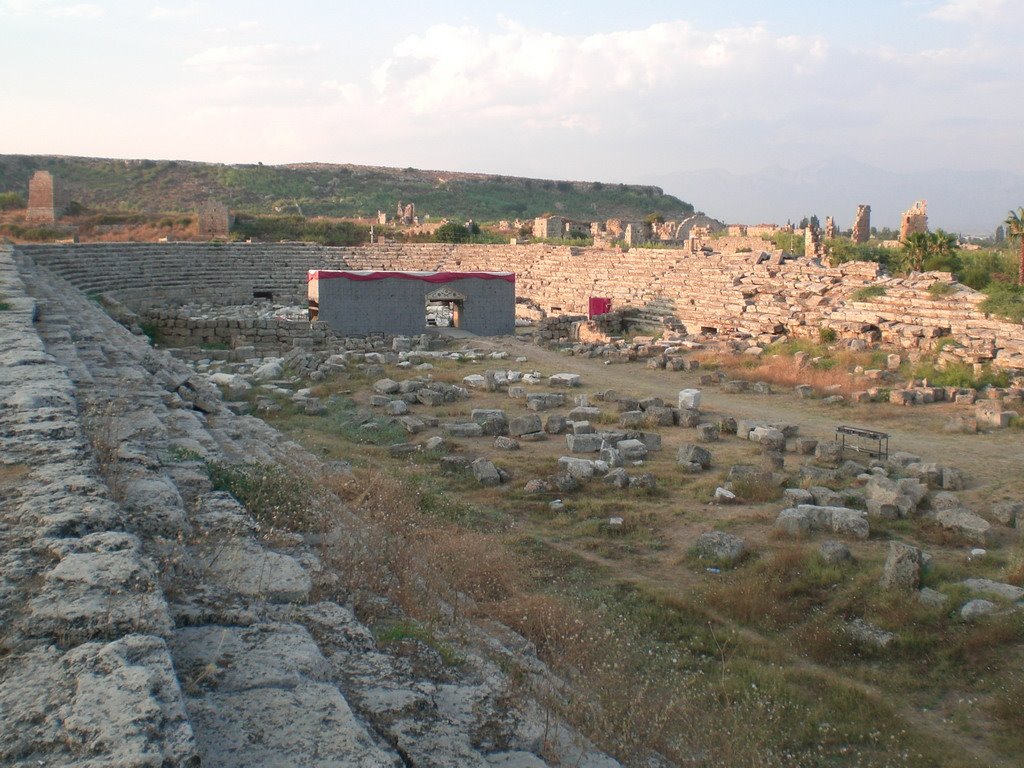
[(723, 292), (862, 224), (47, 200)]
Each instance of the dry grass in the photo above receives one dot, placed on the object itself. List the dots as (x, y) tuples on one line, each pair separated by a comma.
[(645, 671), (833, 375)]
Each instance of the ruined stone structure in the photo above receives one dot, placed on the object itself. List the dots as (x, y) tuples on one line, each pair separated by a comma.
[(47, 201), (405, 215), (756, 293), (862, 224), (214, 220), (360, 302), (812, 242), (548, 227), (914, 220), (830, 228)]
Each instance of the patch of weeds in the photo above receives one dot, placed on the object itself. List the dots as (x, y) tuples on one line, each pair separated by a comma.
[(275, 497), (867, 293), (940, 290), (792, 346), (756, 488), (827, 335), (347, 421), (445, 506), (183, 455), (151, 330), (395, 632), (4, 305)]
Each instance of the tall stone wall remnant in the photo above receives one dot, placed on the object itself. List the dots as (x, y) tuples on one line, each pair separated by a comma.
[(214, 220), (830, 228), (47, 201), (812, 241), (914, 220), (862, 224), (406, 214)]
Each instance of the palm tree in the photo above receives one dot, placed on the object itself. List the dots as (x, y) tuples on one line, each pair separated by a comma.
[(916, 248), (1015, 231)]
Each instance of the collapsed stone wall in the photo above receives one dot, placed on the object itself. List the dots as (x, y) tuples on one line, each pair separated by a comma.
[(176, 328), (754, 293)]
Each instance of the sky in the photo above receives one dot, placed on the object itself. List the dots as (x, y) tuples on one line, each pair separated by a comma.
[(639, 92)]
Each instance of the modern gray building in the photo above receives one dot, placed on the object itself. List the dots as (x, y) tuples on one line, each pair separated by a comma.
[(359, 302)]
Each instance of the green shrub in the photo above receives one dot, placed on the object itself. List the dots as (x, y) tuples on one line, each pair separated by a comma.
[(790, 242), (1004, 300), (939, 290), (959, 375), (274, 228), (827, 335), (11, 200), (867, 293), (453, 232), (841, 251), (151, 330), (986, 266)]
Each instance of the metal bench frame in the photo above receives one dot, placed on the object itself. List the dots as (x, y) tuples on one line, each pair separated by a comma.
[(880, 449)]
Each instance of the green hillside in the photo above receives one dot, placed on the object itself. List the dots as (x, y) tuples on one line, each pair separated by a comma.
[(318, 189)]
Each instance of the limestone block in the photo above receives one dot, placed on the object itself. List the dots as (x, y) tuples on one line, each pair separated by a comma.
[(631, 450), (694, 454), (543, 402), (102, 586), (485, 472), (902, 569), (967, 524), (565, 380), (244, 567), (996, 589), (720, 547), (588, 443), (689, 399), (581, 469), (521, 425), (233, 729)]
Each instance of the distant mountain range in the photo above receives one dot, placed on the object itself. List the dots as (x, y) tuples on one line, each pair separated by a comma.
[(969, 202), (323, 189)]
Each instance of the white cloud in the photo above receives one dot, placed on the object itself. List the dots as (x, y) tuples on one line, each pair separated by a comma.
[(968, 11), (77, 11), (51, 9), (249, 57), (184, 11), (448, 69)]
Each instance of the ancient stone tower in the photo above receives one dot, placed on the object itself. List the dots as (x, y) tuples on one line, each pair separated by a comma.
[(862, 224), (830, 228), (214, 220), (46, 201), (914, 220), (812, 242)]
